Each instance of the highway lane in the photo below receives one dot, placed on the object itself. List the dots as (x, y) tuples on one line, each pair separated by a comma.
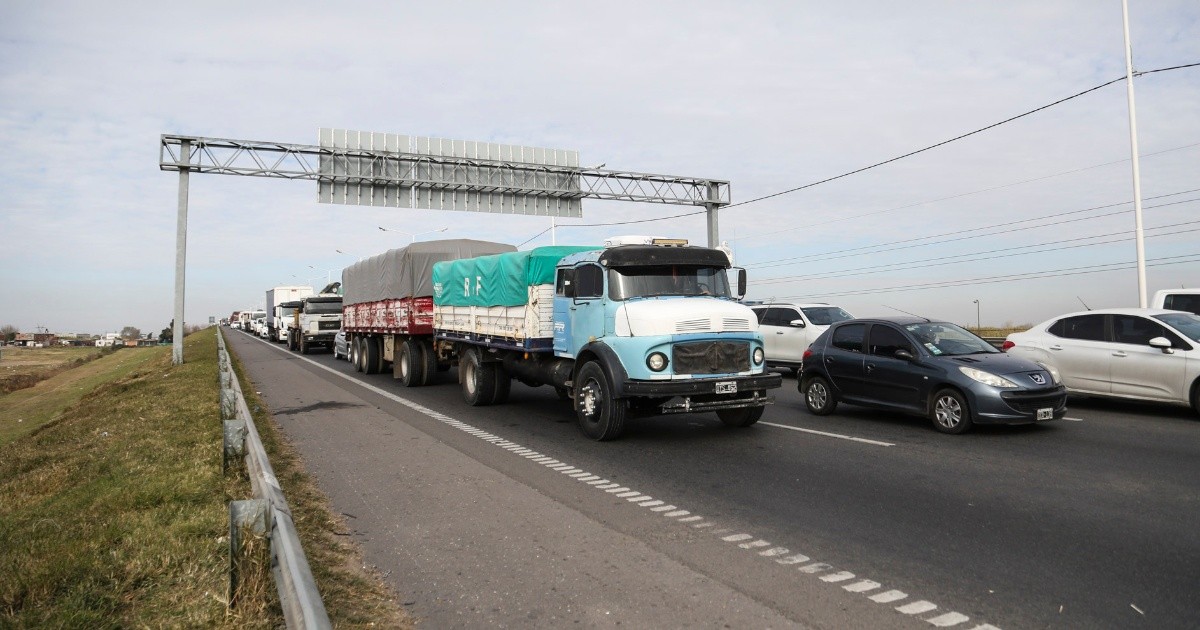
[(1082, 524)]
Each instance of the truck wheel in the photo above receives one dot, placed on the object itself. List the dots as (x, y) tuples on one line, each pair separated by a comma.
[(503, 384), (429, 360), (356, 354), (742, 417), (601, 415), (372, 357), (410, 366), (477, 378), (304, 349)]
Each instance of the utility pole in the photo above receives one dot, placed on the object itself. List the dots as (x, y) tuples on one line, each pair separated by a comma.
[(1139, 237)]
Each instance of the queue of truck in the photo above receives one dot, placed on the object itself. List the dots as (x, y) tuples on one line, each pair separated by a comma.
[(638, 326)]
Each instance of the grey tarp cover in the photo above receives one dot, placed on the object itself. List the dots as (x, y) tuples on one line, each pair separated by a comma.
[(408, 271)]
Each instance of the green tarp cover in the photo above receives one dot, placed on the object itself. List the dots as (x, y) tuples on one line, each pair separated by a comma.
[(500, 279)]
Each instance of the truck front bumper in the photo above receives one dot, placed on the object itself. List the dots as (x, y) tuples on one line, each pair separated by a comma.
[(707, 394)]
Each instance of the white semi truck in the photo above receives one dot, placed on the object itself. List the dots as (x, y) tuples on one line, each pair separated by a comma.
[(277, 320)]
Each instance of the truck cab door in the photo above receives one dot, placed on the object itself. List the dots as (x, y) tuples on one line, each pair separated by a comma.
[(584, 317)]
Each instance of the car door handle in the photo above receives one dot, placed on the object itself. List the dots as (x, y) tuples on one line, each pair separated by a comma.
[(1056, 347), (828, 359), (778, 332), (1119, 353), (870, 366)]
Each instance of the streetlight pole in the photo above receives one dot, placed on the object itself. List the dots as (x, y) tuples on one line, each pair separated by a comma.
[(977, 326)]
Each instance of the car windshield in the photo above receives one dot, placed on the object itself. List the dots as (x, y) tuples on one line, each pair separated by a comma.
[(632, 282), (324, 307), (1187, 324), (825, 315), (946, 339)]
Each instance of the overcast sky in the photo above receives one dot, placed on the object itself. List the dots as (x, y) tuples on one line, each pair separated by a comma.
[(767, 95)]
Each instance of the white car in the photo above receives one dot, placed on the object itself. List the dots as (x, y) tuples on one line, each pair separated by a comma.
[(789, 328), (1137, 353)]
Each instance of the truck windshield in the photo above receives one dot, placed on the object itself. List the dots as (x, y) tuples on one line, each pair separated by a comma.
[(633, 282), (323, 307)]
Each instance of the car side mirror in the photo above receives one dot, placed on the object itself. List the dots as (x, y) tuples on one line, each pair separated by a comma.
[(796, 323), (904, 355), (1162, 343)]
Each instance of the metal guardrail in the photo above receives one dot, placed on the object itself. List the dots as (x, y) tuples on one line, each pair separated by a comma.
[(270, 514)]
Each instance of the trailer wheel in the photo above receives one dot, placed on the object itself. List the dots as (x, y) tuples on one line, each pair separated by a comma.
[(601, 415), (503, 384), (478, 379), (410, 366), (429, 361), (373, 357), (742, 417), (356, 354)]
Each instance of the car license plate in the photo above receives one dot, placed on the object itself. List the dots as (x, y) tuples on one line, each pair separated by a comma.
[(1045, 414), (727, 387)]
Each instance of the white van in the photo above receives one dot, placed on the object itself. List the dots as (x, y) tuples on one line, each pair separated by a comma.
[(1177, 300)]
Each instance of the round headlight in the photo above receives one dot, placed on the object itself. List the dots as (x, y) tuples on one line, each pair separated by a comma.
[(758, 356), (657, 361)]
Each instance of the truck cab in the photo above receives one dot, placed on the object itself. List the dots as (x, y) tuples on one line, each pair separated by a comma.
[(659, 327), (316, 321)]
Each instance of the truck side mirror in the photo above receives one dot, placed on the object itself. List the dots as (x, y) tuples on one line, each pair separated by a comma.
[(741, 283)]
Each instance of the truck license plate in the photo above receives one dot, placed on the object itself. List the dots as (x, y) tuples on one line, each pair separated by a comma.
[(1045, 414), (730, 387)]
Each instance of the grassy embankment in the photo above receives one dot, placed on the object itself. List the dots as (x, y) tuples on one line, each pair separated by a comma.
[(25, 367), (113, 506)]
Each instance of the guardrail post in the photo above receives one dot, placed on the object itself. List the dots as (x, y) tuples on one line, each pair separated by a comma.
[(235, 443), (245, 517)]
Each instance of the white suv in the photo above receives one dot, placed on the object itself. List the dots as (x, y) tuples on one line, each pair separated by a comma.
[(789, 328)]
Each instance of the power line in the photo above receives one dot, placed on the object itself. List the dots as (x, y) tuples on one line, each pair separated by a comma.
[(888, 161), (977, 257), (1035, 275), (957, 196), (956, 235)]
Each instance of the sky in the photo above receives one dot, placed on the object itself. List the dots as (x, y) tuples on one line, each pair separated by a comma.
[(1016, 224)]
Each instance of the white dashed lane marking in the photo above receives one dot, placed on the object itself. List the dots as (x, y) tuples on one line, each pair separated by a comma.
[(780, 555), (827, 434)]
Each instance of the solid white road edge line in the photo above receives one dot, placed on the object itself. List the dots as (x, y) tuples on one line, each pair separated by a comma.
[(946, 619)]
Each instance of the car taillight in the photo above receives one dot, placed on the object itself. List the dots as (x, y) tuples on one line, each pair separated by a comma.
[(1006, 345), (807, 353)]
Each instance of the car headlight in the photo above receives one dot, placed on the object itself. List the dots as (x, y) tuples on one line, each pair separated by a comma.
[(758, 356), (657, 361), (1053, 372), (987, 378)]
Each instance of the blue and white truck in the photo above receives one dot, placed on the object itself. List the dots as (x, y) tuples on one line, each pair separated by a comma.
[(646, 328)]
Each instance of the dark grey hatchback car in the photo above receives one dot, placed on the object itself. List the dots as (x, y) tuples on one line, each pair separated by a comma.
[(933, 369)]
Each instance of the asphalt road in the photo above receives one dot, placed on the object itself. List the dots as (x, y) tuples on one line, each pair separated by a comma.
[(508, 516)]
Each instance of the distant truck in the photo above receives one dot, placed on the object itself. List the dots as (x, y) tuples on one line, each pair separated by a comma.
[(624, 329), (387, 308), (277, 321), (315, 323)]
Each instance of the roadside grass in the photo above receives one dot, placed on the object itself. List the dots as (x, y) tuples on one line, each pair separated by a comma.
[(114, 509), (25, 367), (354, 594), (26, 410)]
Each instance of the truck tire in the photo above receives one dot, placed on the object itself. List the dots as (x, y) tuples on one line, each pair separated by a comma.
[(410, 365), (601, 415), (478, 379), (742, 417), (503, 384), (356, 354), (304, 349), (429, 357), (372, 355)]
